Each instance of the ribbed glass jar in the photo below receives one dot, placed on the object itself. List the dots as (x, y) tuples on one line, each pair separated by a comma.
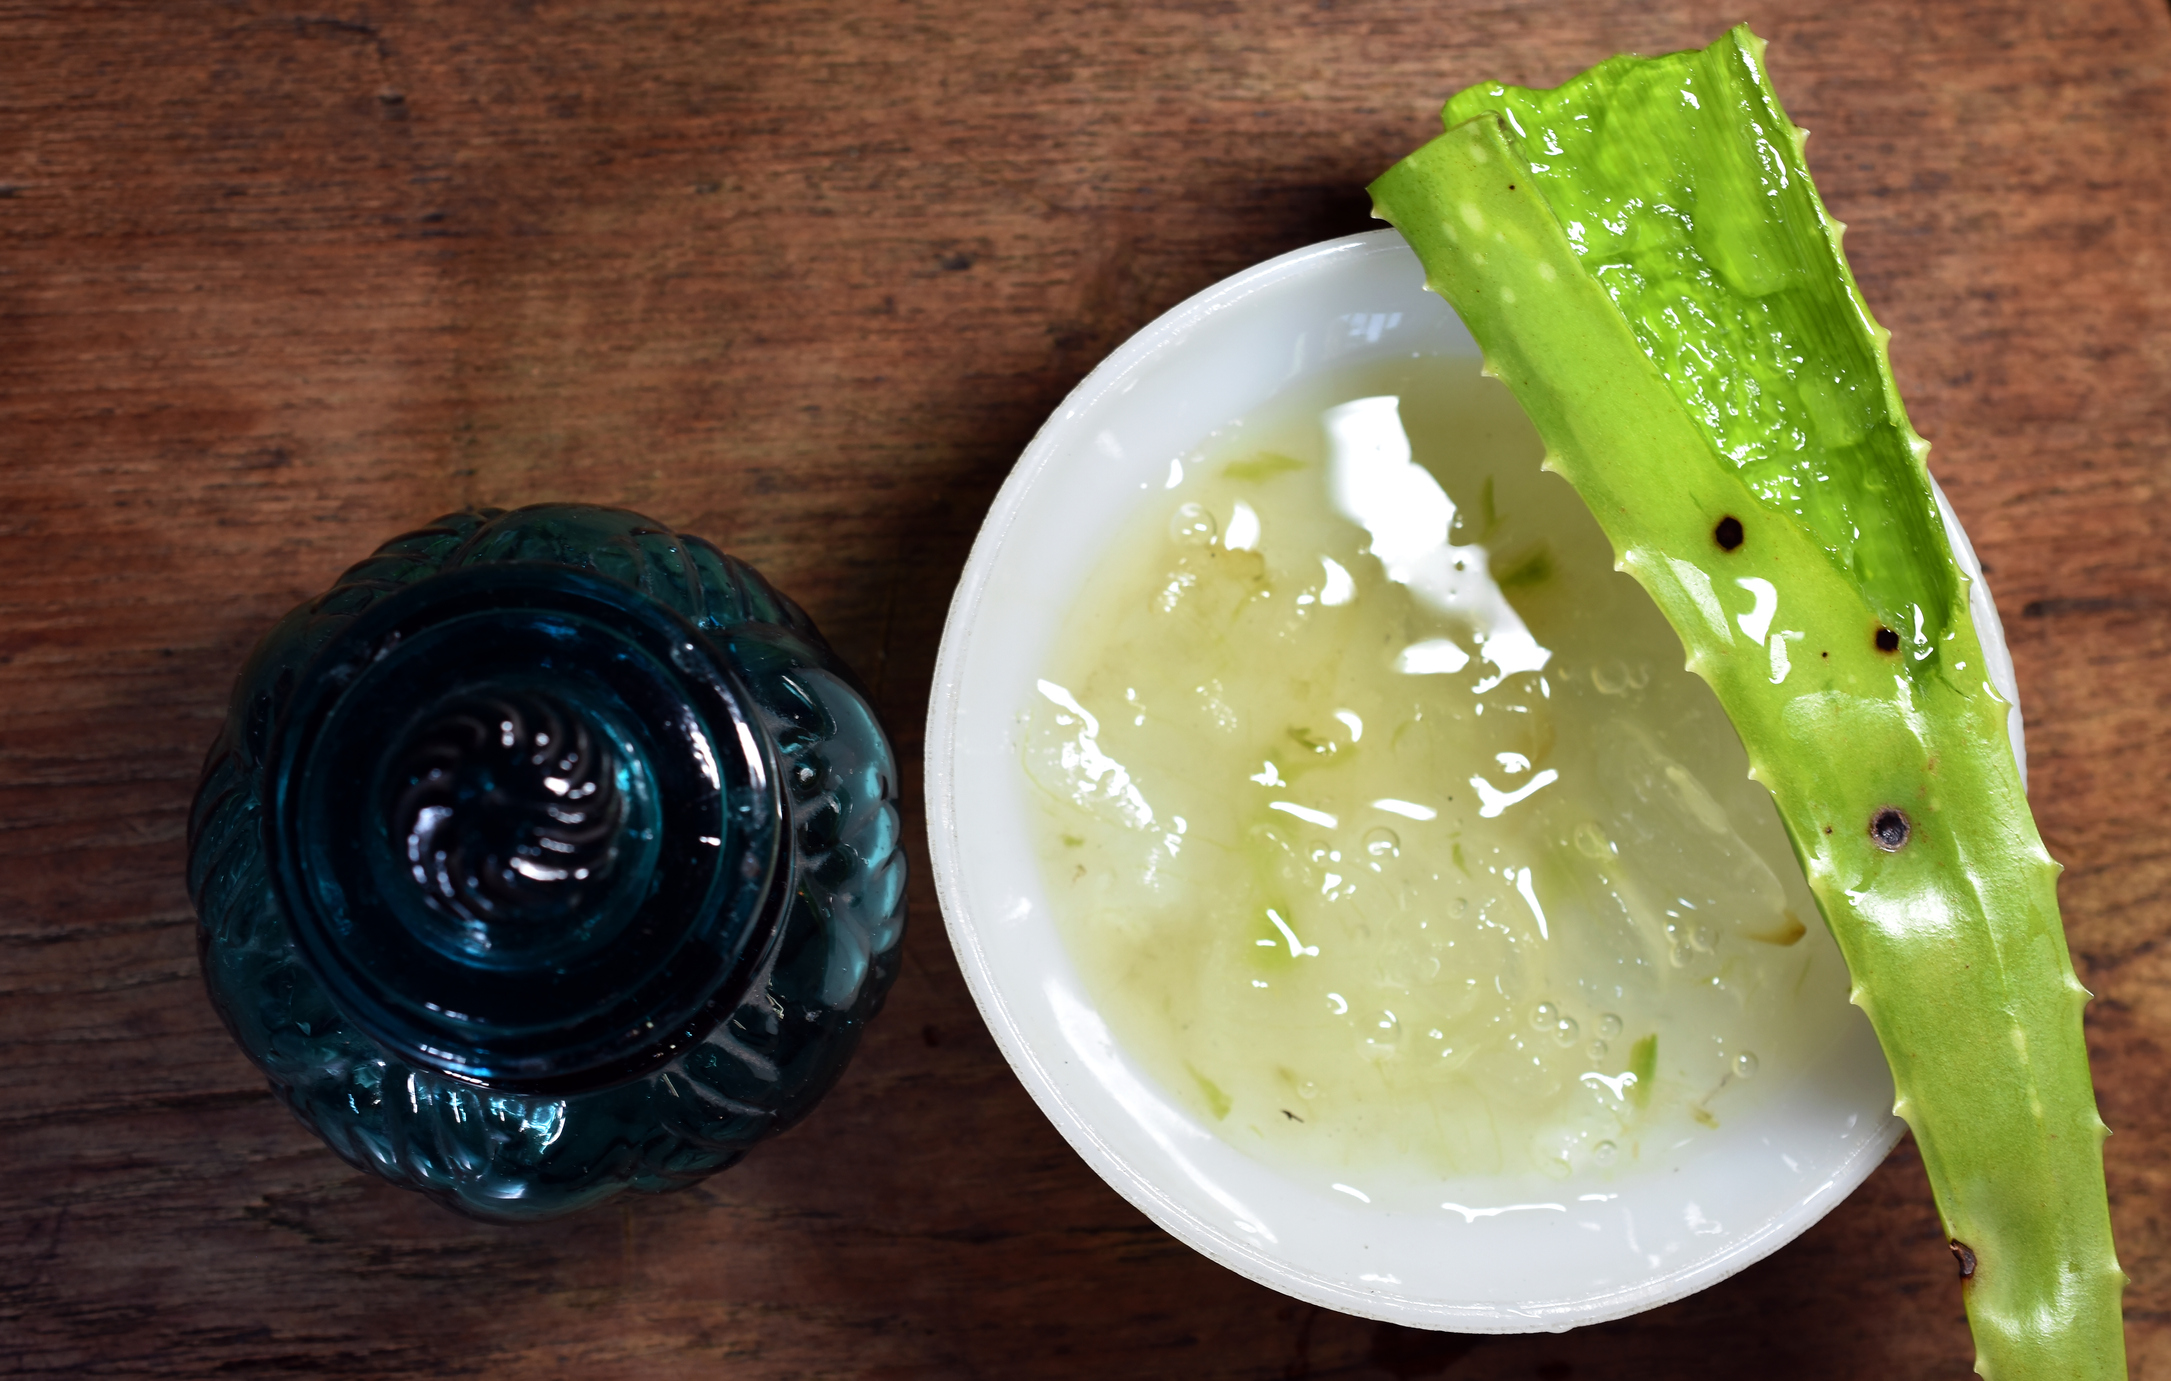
[(548, 854)]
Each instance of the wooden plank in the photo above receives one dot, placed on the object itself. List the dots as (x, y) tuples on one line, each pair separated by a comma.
[(804, 278)]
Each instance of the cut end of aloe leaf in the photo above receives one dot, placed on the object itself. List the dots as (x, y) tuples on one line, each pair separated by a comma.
[(1680, 185)]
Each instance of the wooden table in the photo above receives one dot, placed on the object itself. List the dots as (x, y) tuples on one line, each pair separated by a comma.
[(276, 283)]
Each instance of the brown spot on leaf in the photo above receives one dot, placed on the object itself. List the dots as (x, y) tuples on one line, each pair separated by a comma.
[(1965, 1255), (1887, 640), (1728, 533), (1889, 830)]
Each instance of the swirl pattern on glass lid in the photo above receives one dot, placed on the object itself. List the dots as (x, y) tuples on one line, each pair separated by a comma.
[(512, 810)]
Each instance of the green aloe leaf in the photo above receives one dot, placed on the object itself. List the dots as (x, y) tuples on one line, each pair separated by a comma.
[(1646, 264)]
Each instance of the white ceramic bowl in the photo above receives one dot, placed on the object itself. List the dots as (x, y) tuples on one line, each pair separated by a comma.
[(1482, 1262)]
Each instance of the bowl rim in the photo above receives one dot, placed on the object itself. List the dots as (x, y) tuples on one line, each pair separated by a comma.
[(1115, 374)]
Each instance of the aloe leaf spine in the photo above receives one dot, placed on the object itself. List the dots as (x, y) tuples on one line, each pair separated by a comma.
[(1643, 259)]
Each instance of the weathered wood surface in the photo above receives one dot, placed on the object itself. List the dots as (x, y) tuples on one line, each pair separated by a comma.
[(276, 283)]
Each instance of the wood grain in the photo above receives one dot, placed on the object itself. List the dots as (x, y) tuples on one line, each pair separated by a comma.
[(276, 283)]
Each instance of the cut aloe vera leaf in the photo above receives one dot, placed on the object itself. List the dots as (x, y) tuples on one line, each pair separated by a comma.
[(1646, 264)]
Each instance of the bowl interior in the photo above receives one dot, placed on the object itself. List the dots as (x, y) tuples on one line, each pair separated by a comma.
[(1488, 1255)]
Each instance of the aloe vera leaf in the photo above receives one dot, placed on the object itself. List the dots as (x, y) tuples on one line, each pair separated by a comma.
[(1643, 259)]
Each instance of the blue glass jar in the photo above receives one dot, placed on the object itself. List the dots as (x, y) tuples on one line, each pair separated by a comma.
[(548, 854)]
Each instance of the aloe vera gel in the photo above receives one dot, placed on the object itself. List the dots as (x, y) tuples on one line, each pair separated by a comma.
[(1383, 823)]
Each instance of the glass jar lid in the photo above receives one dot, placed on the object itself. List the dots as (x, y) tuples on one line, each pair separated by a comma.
[(526, 827)]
